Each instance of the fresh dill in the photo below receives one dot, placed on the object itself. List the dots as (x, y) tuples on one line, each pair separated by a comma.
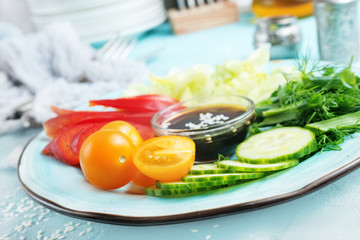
[(315, 93)]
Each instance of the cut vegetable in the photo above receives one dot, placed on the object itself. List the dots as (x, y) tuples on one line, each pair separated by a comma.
[(221, 177), (209, 168), (165, 158), (343, 121), (181, 185), (182, 192), (276, 145), (238, 166)]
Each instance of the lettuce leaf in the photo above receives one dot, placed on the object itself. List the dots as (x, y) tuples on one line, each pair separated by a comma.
[(233, 77)]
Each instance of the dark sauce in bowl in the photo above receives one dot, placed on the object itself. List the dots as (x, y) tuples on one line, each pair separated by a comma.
[(215, 128)]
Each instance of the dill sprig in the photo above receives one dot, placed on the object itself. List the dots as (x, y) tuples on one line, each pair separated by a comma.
[(316, 92)]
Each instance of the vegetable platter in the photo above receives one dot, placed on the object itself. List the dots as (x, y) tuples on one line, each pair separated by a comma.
[(62, 187)]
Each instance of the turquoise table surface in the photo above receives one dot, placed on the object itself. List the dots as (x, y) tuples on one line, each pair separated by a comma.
[(332, 212)]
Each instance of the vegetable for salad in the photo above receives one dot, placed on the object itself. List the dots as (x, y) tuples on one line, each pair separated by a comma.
[(142, 103), (311, 95), (210, 168), (276, 145), (126, 128), (350, 120), (246, 78), (177, 192), (63, 146), (221, 177), (54, 125), (106, 159), (182, 184), (237, 166), (166, 158)]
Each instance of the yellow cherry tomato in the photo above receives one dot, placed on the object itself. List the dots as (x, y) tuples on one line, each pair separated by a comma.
[(106, 159), (166, 158), (127, 129)]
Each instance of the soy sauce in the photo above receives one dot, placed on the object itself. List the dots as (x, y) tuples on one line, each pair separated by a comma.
[(210, 145), (206, 117)]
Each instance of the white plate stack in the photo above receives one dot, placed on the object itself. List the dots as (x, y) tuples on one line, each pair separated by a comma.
[(97, 20)]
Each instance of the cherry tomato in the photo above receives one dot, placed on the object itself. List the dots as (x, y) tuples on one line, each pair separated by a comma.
[(106, 159), (166, 158), (130, 131), (143, 180), (126, 128)]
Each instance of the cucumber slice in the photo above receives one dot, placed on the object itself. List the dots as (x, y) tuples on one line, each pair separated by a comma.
[(276, 145), (238, 166), (181, 185), (181, 192), (207, 168), (221, 176)]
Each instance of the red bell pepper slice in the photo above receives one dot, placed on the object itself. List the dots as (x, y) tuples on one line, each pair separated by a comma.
[(81, 136), (47, 150), (61, 145), (54, 125), (60, 111), (142, 103)]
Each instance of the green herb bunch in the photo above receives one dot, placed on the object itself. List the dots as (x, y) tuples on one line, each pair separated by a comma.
[(311, 95)]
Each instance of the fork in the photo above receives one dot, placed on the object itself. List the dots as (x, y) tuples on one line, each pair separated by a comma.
[(118, 47)]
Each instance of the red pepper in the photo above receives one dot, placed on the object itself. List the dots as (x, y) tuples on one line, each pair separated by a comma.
[(54, 125), (60, 111), (47, 150), (142, 103), (61, 145), (81, 136)]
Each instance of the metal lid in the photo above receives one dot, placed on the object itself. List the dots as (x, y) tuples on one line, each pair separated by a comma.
[(278, 21)]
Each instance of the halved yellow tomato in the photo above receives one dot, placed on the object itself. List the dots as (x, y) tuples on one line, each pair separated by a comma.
[(166, 158)]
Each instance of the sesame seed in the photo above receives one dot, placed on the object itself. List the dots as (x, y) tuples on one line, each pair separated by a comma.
[(194, 230), (81, 233), (69, 229), (9, 207), (216, 226), (208, 237), (89, 229)]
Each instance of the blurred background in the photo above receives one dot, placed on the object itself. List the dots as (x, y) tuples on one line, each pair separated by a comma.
[(96, 20)]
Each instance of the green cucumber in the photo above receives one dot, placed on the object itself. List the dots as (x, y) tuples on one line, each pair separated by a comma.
[(181, 185), (221, 176), (341, 122), (207, 168), (177, 192), (238, 166), (277, 145)]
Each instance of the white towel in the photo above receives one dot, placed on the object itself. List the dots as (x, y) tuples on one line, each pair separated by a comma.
[(50, 67)]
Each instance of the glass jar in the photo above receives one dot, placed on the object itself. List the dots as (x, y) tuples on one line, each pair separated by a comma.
[(282, 32), (269, 8)]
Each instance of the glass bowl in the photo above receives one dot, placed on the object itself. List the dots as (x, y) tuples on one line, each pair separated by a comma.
[(216, 124)]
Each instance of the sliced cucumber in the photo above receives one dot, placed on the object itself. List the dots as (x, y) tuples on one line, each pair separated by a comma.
[(221, 176), (181, 185), (238, 166), (180, 192), (276, 145), (207, 168)]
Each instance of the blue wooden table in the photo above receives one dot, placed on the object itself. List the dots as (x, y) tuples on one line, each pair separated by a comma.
[(332, 212)]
